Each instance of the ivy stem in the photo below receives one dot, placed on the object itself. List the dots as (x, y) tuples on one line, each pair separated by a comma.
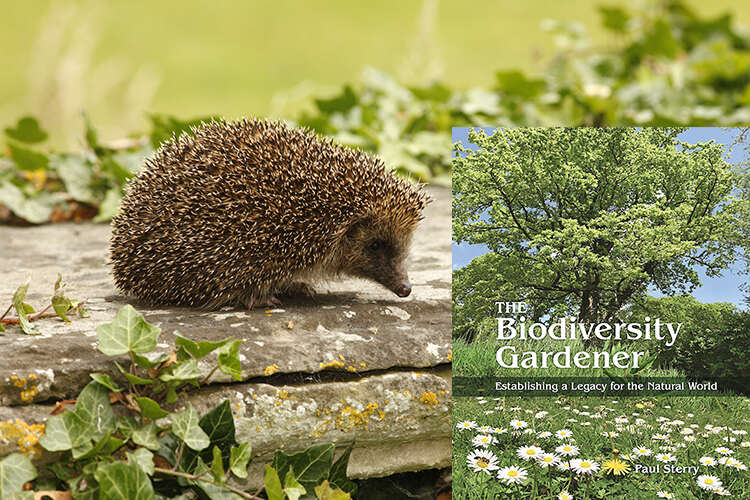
[(205, 379), (6, 312), (193, 477), (179, 456)]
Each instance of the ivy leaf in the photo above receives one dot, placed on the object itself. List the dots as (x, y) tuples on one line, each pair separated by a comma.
[(182, 372), (229, 360), (218, 424), (338, 104), (76, 172), (146, 363), (185, 426), (614, 18), (27, 130), (150, 408), (239, 457), (292, 487), (106, 381), (36, 209), (325, 492), (144, 459), (217, 466), (123, 481), (15, 471), (272, 484), (27, 159), (133, 379), (311, 466), (200, 349), (23, 320), (129, 331), (147, 436), (516, 84), (110, 205), (60, 303), (338, 476)]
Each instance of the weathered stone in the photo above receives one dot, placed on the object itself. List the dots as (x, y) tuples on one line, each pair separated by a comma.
[(354, 344)]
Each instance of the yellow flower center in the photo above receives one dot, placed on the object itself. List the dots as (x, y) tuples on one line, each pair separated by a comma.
[(530, 452), (709, 480), (547, 459), (585, 464), (512, 473), (482, 463)]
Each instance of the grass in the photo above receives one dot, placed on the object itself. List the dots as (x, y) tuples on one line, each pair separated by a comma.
[(588, 418), (121, 59)]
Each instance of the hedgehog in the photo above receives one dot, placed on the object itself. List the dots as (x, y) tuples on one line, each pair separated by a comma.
[(240, 213)]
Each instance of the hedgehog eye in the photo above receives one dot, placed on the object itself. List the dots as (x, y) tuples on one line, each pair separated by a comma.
[(375, 245)]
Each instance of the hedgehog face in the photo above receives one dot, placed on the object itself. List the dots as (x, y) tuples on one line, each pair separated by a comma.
[(373, 251)]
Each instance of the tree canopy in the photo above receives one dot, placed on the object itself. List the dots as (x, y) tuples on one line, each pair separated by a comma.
[(582, 221)]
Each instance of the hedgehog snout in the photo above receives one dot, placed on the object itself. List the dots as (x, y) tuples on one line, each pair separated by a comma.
[(402, 289)]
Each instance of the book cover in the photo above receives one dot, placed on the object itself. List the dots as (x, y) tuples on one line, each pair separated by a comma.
[(600, 323)]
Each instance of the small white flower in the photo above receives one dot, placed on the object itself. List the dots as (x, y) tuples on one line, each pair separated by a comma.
[(518, 424), (642, 452), (484, 429), (563, 434), (466, 424), (724, 451), (722, 491), (564, 466), (547, 459), (482, 461), (564, 495), (510, 475), (664, 494), (665, 457), (584, 466), (709, 482), (709, 461), (544, 435), (745, 444), (484, 440), (660, 437), (610, 434), (689, 439), (529, 452), (567, 450)]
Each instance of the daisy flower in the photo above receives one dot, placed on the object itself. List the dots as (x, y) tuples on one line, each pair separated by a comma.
[(518, 424), (483, 440), (723, 492), (544, 435), (547, 459), (466, 424), (659, 437), (584, 466), (664, 494), (567, 449), (707, 461), (712, 483), (482, 461), (724, 451), (529, 452), (665, 457), (563, 466), (689, 438), (510, 475), (616, 467), (484, 429), (610, 434), (642, 452), (564, 495), (745, 444), (563, 434)]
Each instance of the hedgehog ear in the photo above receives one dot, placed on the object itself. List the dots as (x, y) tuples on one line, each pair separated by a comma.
[(358, 225)]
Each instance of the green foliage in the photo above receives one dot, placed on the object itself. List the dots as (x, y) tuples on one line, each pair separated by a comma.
[(584, 220), (110, 453), (25, 313), (714, 339)]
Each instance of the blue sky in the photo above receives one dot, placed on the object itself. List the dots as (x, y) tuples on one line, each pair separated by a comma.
[(724, 288)]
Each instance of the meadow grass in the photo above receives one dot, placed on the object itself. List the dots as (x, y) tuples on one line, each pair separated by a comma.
[(713, 423)]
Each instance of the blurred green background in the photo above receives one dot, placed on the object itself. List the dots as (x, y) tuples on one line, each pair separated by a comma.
[(120, 60)]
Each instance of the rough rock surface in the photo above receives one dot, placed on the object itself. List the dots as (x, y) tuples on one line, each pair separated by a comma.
[(353, 363)]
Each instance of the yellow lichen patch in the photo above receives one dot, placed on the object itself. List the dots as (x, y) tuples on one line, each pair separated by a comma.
[(351, 368), (341, 357), (450, 356), (363, 364), (29, 394), (18, 382), (349, 417), (32, 376), (270, 370), (26, 436), (333, 364), (282, 394), (429, 398)]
